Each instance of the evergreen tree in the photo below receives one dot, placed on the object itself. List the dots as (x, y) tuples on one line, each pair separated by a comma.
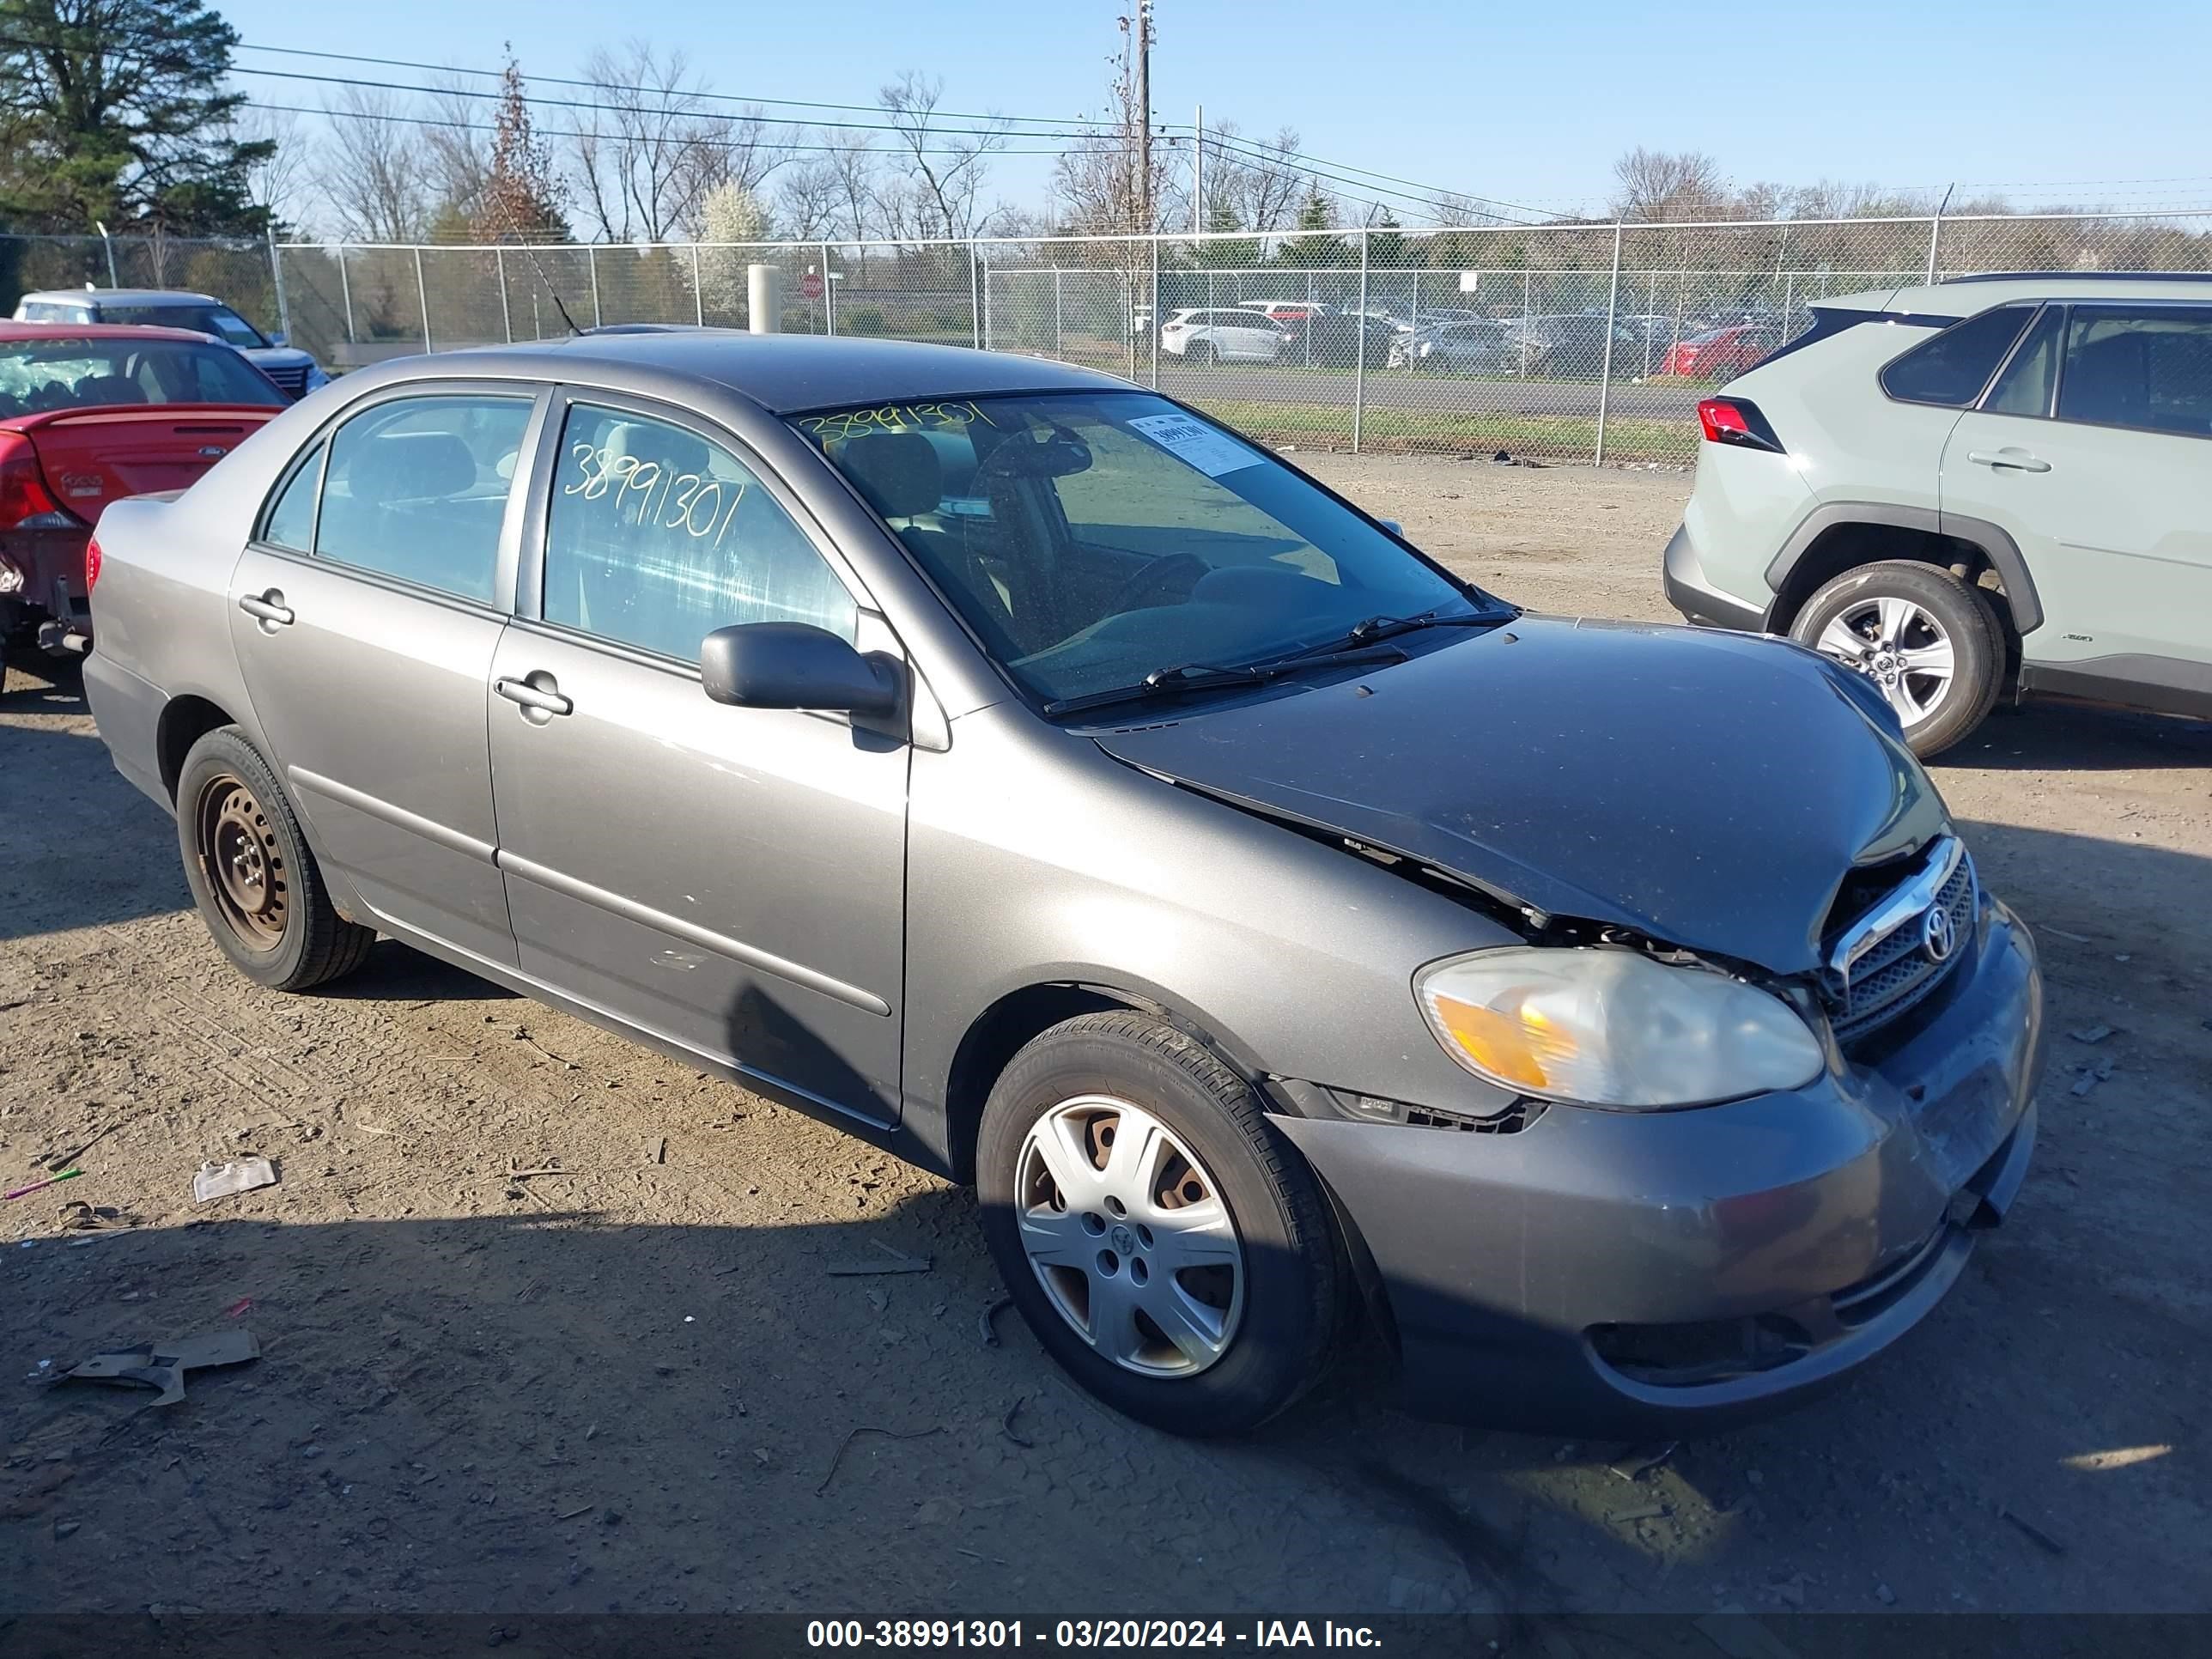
[(1314, 246), (115, 111)]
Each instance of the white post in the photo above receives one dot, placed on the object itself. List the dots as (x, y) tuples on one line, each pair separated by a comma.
[(593, 254), (976, 294), (1154, 329), (698, 290), (276, 276), (1198, 173), (764, 298), (1358, 349), (828, 295), (422, 298), (988, 336), (1059, 313), (505, 316), (107, 242), (345, 292), (1605, 372), (1935, 239)]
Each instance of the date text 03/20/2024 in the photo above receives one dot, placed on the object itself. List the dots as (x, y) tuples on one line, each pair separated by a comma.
[(1085, 1633)]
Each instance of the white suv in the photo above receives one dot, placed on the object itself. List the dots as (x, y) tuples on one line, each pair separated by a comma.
[(1991, 486), (1227, 335)]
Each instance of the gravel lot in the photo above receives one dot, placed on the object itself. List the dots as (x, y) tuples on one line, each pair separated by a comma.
[(636, 1384)]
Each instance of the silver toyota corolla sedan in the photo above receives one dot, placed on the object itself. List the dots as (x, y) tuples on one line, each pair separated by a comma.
[(1031, 776)]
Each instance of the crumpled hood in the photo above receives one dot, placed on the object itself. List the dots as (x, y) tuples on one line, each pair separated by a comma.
[(1709, 789)]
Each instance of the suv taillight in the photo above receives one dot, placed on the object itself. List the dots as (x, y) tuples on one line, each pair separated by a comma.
[(1737, 420), (23, 493), (92, 560)]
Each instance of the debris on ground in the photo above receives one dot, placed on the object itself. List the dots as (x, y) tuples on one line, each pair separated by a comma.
[(40, 1186), (162, 1365), (656, 1150), (898, 1262), (239, 1309), (1007, 1423), (2034, 1533), (1640, 1461), (983, 1321), (240, 1175), (1649, 1512), (2091, 1077), (869, 1428), (2093, 1034)]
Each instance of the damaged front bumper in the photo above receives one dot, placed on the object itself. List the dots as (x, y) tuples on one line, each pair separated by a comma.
[(1630, 1274)]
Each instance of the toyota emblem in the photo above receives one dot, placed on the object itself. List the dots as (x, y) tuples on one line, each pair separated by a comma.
[(1937, 938)]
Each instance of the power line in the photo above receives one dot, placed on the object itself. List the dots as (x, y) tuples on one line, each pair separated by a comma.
[(1261, 150)]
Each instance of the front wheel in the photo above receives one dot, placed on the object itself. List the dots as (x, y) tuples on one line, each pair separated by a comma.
[(1166, 1247), (1930, 643), (251, 873)]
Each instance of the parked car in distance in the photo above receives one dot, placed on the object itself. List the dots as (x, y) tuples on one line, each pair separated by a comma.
[(1224, 335), (1719, 355), (293, 371), (1985, 488), (1286, 312), (1477, 348), (90, 414), (1572, 346), (1335, 339), (1648, 1040)]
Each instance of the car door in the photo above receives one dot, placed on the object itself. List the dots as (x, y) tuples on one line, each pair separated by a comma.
[(365, 615), (2093, 450), (729, 880)]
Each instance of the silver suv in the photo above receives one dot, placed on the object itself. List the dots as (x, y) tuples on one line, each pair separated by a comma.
[(1988, 487)]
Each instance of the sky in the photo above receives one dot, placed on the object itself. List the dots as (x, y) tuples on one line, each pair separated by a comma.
[(2047, 102)]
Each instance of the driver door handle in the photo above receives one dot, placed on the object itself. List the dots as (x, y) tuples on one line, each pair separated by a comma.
[(542, 701), (268, 609), (2018, 460)]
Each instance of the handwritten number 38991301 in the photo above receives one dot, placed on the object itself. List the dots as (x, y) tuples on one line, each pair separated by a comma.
[(647, 493)]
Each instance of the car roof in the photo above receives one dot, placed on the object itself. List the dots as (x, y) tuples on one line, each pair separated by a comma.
[(11, 331), (1963, 296), (121, 296), (783, 373)]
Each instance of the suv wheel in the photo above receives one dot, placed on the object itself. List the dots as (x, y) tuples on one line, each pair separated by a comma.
[(1931, 644), (251, 873), (1164, 1244)]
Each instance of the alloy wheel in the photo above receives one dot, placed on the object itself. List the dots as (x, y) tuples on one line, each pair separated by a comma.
[(244, 862), (1898, 645), (1127, 1233)]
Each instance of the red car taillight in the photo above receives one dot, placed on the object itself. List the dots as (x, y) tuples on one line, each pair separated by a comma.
[(1737, 420), (91, 563), (23, 492)]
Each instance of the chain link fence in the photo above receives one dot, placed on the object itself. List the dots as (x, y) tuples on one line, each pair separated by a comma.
[(1563, 342)]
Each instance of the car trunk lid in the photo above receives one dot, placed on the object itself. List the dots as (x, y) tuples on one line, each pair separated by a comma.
[(91, 457)]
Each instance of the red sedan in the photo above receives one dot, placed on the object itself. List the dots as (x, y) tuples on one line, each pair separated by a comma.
[(1721, 353), (89, 414)]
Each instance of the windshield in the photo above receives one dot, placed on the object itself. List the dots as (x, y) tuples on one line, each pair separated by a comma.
[(220, 321), (1093, 538), (36, 375)]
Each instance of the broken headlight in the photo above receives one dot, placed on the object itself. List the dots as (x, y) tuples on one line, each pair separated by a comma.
[(1611, 1027)]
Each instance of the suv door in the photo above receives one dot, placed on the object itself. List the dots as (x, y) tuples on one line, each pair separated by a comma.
[(731, 881), (2093, 450), (364, 616)]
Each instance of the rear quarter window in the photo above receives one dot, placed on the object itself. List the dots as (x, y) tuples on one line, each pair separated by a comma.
[(1951, 369)]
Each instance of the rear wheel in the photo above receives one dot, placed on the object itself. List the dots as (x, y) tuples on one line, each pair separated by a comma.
[(1208, 353), (1164, 1244), (251, 873), (1930, 643)]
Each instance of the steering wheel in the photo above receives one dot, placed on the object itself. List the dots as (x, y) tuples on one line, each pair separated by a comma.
[(1150, 585)]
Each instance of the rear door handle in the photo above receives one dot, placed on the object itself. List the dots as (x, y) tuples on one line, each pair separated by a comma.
[(539, 700), (268, 609), (2018, 460)]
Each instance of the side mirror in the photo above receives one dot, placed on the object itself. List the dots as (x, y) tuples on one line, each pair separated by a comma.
[(795, 665), (1394, 527), (278, 338)]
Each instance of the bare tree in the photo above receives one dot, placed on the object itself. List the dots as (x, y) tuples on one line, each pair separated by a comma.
[(857, 166), (375, 174), (457, 151), (810, 199), (645, 162), (945, 167), (280, 184), (1655, 187), (1099, 183), (1259, 180)]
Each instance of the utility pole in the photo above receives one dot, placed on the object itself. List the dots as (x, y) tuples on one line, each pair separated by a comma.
[(1145, 116), (1198, 173)]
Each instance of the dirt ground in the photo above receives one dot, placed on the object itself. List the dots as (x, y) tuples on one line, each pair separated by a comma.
[(640, 1384)]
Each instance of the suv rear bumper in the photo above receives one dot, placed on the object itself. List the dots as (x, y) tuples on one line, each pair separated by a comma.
[(1683, 577)]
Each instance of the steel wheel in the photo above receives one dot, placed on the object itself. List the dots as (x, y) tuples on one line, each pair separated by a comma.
[(244, 862), (1126, 1232), (1898, 645)]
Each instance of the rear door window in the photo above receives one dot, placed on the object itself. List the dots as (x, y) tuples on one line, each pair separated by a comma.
[(2024, 387), (417, 489), (2150, 368), (1951, 369)]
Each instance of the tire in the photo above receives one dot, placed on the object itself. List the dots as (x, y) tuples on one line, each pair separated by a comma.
[(268, 911), (1851, 618), (1208, 353), (1259, 1307)]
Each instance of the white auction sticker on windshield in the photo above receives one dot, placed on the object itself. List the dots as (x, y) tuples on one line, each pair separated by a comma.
[(1212, 452)]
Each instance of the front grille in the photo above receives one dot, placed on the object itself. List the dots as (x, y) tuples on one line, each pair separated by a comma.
[(1896, 973), (292, 382)]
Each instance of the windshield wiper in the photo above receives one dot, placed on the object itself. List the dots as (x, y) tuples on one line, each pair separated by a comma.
[(1185, 678), (1373, 629)]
